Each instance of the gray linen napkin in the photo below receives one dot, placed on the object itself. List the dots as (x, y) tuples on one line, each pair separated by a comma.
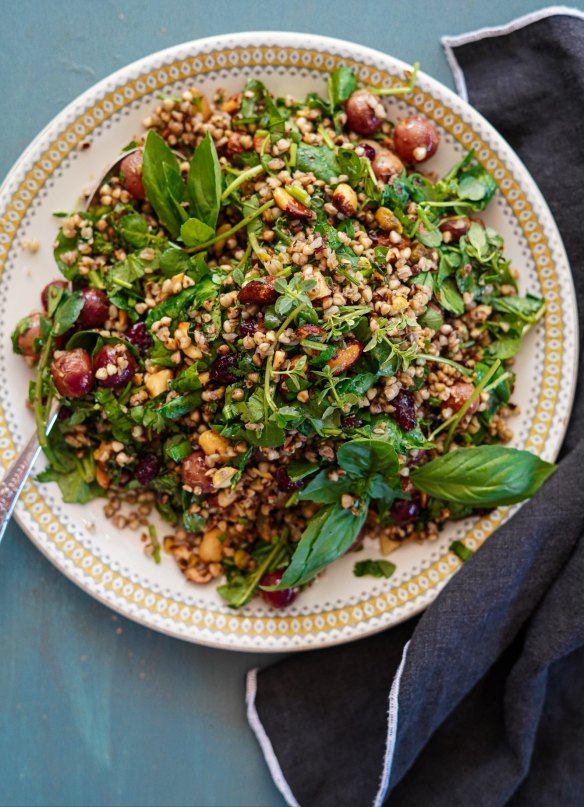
[(481, 700)]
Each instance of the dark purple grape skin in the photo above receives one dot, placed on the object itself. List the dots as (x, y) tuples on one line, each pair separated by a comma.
[(284, 482), (72, 373), (405, 410), (95, 311), (58, 284), (139, 337), (404, 511), (119, 355), (147, 468), (221, 371), (277, 599), (351, 422)]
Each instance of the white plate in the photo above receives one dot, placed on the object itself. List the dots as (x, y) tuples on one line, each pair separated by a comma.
[(110, 564)]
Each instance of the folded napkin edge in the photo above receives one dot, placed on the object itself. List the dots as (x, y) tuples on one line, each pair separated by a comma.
[(264, 741), (449, 43)]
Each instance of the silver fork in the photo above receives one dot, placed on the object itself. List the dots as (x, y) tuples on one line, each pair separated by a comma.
[(17, 474)]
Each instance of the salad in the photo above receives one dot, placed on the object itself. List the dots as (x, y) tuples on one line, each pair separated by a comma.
[(278, 329)]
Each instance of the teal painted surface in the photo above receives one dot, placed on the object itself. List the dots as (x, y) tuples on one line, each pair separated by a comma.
[(94, 709)]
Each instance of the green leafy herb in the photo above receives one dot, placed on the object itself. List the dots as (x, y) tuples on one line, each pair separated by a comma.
[(163, 183), (341, 84), (485, 476), (319, 160), (461, 551), (204, 184), (374, 568)]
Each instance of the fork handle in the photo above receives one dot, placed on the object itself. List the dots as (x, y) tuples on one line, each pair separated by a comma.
[(17, 474), (13, 482)]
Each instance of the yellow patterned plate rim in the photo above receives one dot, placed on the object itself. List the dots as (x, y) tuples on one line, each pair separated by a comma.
[(49, 175)]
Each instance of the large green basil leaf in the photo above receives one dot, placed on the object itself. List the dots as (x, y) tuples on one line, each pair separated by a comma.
[(329, 534), (204, 183), (486, 476), (362, 457), (162, 182)]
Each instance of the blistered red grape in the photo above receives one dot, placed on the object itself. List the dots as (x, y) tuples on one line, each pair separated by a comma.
[(364, 112), (277, 599), (95, 309), (72, 373), (26, 340), (114, 365), (386, 164), (194, 472), (131, 171), (415, 139)]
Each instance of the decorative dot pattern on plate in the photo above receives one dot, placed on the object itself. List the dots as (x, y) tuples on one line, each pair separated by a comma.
[(110, 567)]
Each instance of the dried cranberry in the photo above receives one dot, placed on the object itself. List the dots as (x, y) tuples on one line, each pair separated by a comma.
[(405, 410), (119, 359), (55, 284), (222, 369), (249, 326), (147, 468), (351, 422), (95, 309), (404, 511), (284, 482), (139, 337), (277, 599)]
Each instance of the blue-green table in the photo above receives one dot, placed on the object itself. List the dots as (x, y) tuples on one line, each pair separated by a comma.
[(95, 710)]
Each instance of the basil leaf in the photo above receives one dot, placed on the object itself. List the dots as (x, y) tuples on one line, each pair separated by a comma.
[(374, 568), (300, 470), (271, 436), (362, 457), (323, 490), (486, 476), (195, 231), (204, 183), (329, 534), (378, 488), (160, 172)]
